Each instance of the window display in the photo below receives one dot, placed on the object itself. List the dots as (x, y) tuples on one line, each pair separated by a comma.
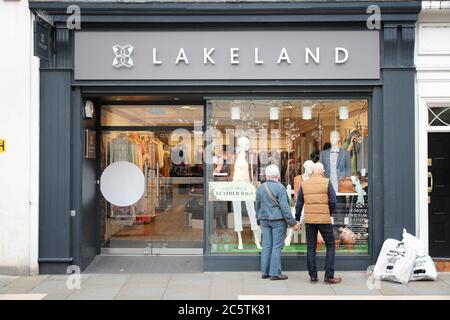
[(245, 136)]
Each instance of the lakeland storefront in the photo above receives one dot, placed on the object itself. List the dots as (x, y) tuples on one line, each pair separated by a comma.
[(168, 90)]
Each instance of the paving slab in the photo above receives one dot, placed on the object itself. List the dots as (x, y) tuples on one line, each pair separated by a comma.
[(28, 282), (57, 296), (83, 277), (52, 286), (272, 287), (392, 288), (22, 296), (96, 292), (227, 275), (343, 290), (438, 287), (225, 290), (5, 280), (151, 291), (224, 296), (107, 279), (300, 288), (191, 279), (149, 278), (179, 292)]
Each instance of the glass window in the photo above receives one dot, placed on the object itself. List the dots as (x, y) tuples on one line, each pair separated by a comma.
[(439, 116), (169, 216), (285, 133)]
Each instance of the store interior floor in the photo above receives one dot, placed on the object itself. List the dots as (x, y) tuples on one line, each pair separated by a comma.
[(171, 226)]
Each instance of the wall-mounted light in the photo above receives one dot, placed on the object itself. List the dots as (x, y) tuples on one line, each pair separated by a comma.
[(343, 112), (235, 112), (274, 113), (307, 113), (88, 109)]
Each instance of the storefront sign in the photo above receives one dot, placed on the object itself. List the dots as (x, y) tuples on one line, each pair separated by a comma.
[(2, 146), (41, 40), (231, 191), (227, 55)]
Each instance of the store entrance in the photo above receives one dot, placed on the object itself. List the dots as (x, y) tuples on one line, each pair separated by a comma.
[(165, 142), (439, 194)]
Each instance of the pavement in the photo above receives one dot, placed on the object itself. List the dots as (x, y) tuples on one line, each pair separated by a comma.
[(214, 286)]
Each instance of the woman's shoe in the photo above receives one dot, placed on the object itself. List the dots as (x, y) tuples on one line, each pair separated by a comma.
[(280, 277)]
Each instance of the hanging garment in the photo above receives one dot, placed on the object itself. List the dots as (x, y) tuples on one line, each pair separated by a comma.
[(264, 161), (120, 150), (362, 154), (167, 164)]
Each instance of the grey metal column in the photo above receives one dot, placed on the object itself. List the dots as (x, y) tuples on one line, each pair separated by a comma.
[(55, 234), (398, 74)]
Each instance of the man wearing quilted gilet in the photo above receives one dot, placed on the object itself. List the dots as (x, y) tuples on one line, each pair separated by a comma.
[(318, 198)]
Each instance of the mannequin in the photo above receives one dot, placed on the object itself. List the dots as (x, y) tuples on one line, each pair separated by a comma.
[(242, 174), (336, 161), (298, 180)]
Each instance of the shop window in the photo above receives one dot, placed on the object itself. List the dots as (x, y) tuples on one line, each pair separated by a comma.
[(285, 133), (165, 143)]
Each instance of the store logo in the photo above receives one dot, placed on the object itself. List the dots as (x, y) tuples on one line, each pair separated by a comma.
[(123, 56)]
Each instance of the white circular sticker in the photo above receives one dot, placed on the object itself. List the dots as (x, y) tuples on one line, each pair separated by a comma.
[(122, 183)]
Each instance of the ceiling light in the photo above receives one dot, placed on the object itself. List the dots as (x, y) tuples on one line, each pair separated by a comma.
[(343, 112), (274, 113), (176, 99), (235, 112), (307, 113)]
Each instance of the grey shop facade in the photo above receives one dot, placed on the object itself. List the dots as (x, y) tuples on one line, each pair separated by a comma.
[(172, 87)]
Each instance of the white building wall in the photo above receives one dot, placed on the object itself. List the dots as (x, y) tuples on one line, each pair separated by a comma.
[(432, 61), (19, 126)]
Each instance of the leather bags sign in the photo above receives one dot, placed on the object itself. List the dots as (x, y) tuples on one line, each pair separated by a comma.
[(231, 191)]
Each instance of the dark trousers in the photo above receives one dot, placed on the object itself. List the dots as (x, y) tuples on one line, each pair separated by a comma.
[(326, 230)]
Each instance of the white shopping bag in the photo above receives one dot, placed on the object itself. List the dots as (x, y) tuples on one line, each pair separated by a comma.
[(395, 262), (424, 269), (413, 242)]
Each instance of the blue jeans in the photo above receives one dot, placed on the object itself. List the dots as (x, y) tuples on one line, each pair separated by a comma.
[(273, 234), (326, 230)]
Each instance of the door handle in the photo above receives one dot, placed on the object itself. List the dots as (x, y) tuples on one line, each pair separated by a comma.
[(430, 176)]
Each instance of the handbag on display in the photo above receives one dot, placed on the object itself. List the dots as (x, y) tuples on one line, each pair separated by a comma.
[(346, 185), (348, 237)]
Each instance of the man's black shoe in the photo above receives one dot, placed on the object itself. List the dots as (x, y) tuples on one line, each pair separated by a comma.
[(265, 276), (314, 279)]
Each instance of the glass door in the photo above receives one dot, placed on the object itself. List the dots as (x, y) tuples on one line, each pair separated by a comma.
[(165, 143)]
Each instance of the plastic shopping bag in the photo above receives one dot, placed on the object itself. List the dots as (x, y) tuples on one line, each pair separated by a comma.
[(413, 242), (424, 269), (395, 262)]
